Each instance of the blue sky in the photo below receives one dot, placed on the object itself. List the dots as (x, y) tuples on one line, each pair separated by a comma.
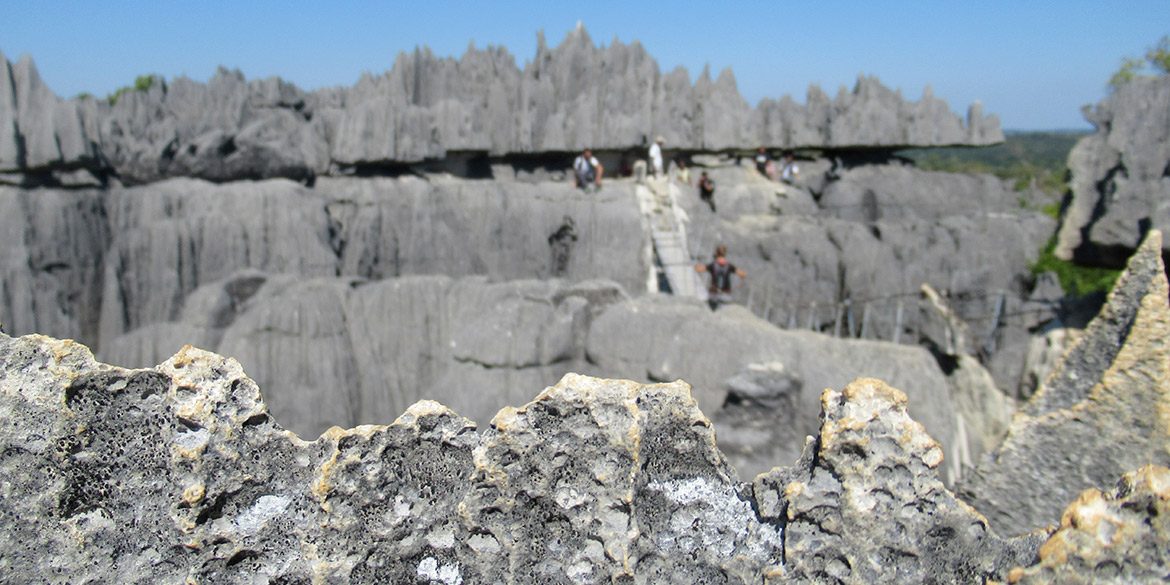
[(1034, 64)]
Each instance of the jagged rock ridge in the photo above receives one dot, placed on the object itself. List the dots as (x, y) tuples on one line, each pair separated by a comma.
[(1100, 413), (570, 97)]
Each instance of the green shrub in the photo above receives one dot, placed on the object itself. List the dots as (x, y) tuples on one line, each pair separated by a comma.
[(1077, 281), (1156, 62), (141, 83)]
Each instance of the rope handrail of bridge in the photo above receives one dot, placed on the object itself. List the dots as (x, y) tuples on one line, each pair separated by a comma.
[(844, 319)]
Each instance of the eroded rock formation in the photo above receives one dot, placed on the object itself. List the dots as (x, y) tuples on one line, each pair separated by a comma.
[(179, 472), (567, 98), (1101, 411), (1120, 183)]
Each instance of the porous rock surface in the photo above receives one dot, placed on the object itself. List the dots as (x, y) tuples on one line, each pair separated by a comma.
[(1116, 536), (178, 474), (1102, 410), (1120, 175), (567, 98)]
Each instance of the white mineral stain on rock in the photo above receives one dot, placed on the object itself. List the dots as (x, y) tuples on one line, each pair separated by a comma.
[(430, 570), (568, 497), (714, 518), (190, 442), (441, 539), (484, 544), (265, 508)]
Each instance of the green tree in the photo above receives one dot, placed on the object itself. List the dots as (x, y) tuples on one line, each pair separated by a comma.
[(1156, 62)]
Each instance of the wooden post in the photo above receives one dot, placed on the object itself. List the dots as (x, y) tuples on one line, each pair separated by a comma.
[(898, 323), (864, 321), (849, 318)]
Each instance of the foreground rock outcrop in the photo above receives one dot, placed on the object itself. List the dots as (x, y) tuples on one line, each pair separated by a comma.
[(1101, 412), (178, 473), (569, 97)]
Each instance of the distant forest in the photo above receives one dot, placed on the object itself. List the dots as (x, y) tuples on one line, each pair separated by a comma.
[(1027, 158)]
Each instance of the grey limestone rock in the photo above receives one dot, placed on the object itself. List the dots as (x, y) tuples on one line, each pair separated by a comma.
[(179, 473), (1116, 536), (573, 96), (856, 472), (1097, 414), (658, 338), (169, 238), (1120, 183), (53, 245), (39, 131)]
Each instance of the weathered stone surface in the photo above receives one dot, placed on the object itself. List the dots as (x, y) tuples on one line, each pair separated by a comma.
[(1120, 175), (171, 237), (658, 338), (183, 261), (53, 246), (38, 130), (442, 225), (865, 505), (1101, 412), (1119, 536), (179, 473), (963, 235), (567, 98)]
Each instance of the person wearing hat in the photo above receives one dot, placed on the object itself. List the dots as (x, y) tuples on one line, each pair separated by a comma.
[(656, 157)]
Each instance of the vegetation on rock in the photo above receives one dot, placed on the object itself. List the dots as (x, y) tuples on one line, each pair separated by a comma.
[(141, 83), (1028, 159), (1156, 62)]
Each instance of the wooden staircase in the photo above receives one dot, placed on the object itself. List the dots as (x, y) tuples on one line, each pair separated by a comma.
[(666, 223)]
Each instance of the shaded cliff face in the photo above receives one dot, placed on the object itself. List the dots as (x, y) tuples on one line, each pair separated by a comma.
[(567, 98), (1120, 184)]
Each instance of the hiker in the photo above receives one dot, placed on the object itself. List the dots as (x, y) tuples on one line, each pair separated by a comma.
[(789, 172), (707, 190), (684, 174), (764, 162), (656, 157), (719, 290), (561, 243), (587, 170)]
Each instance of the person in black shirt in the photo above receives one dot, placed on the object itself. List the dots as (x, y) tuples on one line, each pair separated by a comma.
[(719, 290), (707, 190)]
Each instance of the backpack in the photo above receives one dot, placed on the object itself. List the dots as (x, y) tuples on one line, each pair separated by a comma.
[(721, 276), (587, 172)]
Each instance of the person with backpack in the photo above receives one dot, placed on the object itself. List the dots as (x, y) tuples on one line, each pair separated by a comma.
[(719, 290), (587, 170)]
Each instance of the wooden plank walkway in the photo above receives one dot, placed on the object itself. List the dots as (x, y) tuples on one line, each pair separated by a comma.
[(666, 220)]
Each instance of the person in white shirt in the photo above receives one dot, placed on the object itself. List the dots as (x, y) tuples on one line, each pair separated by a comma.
[(656, 157), (790, 171), (587, 170)]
